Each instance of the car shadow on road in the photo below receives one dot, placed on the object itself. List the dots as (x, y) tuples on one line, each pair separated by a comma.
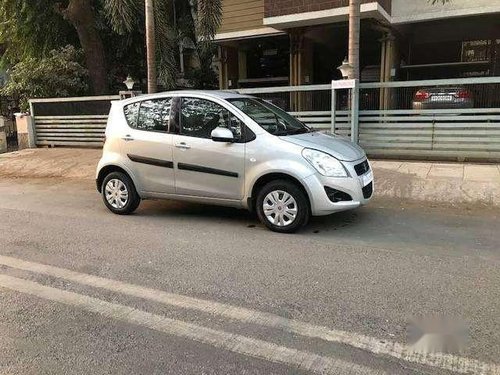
[(166, 208), (336, 222), (184, 210)]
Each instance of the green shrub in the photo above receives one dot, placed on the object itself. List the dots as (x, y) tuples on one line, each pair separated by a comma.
[(58, 75)]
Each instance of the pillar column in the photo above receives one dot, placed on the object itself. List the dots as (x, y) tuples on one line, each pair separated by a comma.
[(222, 68), (25, 131), (387, 63), (3, 136), (242, 64), (296, 66)]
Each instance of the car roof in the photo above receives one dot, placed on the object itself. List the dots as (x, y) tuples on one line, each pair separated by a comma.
[(203, 93)]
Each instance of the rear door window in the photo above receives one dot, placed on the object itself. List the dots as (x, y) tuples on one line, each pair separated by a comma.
[(149, 115), (154, 115)]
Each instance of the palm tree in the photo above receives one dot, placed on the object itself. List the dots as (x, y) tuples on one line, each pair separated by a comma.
[(151, 47), (354, 30), (163, 32)]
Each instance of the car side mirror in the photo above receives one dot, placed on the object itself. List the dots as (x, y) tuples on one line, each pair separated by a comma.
[(222, 135)]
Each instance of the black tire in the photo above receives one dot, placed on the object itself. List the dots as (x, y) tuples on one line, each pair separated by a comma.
[(301, 203), (133, 199)]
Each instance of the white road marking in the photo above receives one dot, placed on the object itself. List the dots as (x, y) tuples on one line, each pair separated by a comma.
[(220, 339), (371, 344)]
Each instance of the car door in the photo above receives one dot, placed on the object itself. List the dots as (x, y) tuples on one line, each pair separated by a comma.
[(148, 145), (204, 167)]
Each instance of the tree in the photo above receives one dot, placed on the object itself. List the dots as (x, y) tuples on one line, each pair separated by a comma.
[(32, 28), (32, 31), (81, 14), (151, 47), (354, 30), (207, 18), (59, 74), (167, 24)]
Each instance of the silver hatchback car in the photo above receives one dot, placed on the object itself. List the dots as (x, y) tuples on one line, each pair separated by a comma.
[(232, 150)]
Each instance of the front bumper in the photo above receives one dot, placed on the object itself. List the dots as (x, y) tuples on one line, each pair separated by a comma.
[(320, 202)]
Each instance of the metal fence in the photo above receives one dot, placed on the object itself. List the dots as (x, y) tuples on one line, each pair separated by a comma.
[(391, 125), (71, 121), (478, 92)]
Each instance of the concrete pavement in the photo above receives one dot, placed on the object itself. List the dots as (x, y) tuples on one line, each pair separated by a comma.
[(438, 183)]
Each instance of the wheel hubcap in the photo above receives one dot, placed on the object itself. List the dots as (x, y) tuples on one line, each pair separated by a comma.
[(116, 193), (280, 208)]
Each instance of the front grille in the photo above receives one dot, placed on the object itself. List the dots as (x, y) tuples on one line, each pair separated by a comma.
[(362, 168), (336, 195), (368, 190)]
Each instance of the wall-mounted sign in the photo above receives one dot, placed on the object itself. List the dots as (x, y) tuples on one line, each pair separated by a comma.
[(476, 50), (343, 84)]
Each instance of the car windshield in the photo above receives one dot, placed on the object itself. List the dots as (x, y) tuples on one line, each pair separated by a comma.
[(271, 118)]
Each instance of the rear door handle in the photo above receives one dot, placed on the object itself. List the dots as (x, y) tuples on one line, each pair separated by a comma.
[(183, 146), (127, 138)]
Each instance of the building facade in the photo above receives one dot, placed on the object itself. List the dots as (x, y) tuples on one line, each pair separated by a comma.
[(295, 42)]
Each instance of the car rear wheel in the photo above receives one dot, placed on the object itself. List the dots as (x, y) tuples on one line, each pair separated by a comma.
[(282, 206), (119, 194)]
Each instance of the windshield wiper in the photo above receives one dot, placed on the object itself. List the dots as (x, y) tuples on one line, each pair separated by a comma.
[(294, 131), (302, 131), (283, 132)]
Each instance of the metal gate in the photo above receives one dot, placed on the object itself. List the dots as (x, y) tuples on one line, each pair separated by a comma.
[(71, 121)]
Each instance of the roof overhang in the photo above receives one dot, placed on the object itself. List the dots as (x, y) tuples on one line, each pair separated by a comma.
[(368, 10), (445, 14), (247, 34)]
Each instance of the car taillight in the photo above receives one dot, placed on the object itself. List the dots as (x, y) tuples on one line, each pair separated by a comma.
[(464, 94), (422, 95)]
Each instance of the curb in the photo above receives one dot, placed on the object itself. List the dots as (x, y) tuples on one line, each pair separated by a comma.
[(451, 191), (396, 180)]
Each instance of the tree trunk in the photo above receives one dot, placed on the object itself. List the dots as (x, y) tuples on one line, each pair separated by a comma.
[(354, 31), (81, 15), (194, 14), (151, 47)]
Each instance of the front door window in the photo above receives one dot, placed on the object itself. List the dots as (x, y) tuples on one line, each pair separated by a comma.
[(199, 117)]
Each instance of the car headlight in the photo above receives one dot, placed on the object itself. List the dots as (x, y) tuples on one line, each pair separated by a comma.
[(325, 164)]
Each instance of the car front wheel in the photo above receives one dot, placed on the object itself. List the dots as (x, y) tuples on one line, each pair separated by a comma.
[(282, 206), (119, 194)]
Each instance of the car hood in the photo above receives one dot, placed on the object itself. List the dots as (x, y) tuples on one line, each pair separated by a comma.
[(339, 147)]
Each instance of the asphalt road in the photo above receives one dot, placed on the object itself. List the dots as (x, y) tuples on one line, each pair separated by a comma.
[(334, 298)]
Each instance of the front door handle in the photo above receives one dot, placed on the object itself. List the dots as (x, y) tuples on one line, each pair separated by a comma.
[(128, 138), (183, 146)]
